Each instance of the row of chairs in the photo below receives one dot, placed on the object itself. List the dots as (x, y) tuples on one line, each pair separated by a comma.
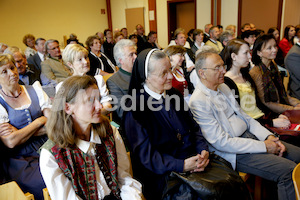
[(11, 190)]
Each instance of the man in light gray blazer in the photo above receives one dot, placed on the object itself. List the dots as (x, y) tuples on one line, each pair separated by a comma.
[(234, 135), (292, 64), (118, 84), (54, 68)]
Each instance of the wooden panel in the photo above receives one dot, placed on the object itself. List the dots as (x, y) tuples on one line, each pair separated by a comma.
[(152, 9), (264, 14), (134, 16), (185, 15), (219, 7), (109, 20), (291, 13)]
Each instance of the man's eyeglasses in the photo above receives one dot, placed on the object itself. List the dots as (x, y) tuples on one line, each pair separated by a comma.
[(219, 68), (54, 48)]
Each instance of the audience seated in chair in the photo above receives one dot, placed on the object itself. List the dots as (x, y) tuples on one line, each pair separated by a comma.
[(237, 78), (214, 34), (108, 45), (53, 67), (99, 62), (29, 41), (40, 56), (140, 37), (162, 138), (77, 128), (288, 39), (267, 79), (23, 113), (29, 74), (292, 61), (198, 40), (234, 135), (152, 41), (118, 84), (76, 57), (206, 32)]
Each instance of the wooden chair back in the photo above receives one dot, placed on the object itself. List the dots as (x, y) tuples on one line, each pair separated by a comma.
[(12, 190), (296, 180)]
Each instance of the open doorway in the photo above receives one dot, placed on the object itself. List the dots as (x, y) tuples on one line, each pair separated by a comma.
[(181, 14)]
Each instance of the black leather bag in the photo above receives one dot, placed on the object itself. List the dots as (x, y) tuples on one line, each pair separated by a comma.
[(218, 181)]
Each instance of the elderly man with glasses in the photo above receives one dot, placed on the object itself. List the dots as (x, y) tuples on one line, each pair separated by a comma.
[(234, 135), (54, 68)]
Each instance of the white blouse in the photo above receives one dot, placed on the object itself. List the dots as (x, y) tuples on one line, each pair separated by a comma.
[(44, 101), (101, 85), (60, 187)]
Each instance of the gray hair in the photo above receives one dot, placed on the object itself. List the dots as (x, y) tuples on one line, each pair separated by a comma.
[(224, 36), (13, 49), (119, 52), (230, 27), (156, 55), (212, 29), (47, 43), (204, 49), (201, 60)]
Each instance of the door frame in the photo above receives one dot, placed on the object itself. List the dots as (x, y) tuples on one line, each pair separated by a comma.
[(172, 3)]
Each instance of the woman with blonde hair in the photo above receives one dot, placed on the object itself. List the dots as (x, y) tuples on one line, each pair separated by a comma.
[(85, 157), (76, 57)]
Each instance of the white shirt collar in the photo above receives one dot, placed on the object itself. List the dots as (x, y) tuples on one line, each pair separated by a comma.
[(41, 56), (202, 43), (153, 94), (85, 145), (214, 41)]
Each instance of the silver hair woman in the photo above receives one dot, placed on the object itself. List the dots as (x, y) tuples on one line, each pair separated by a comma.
[(163, 136)]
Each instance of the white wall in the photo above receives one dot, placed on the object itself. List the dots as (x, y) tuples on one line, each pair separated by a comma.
[(162, 22), (229, 13), (203, 12), (58, 18), (118, 12), (50, 19), (203, 17)]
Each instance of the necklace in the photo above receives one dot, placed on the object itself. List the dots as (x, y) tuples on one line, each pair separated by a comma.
[(12, 96)]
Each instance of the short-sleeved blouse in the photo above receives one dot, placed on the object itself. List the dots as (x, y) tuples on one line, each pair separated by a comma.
[(44, 101)]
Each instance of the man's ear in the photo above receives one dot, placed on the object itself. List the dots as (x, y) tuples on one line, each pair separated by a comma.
[(121, 61), (68, 108), (201, 74)]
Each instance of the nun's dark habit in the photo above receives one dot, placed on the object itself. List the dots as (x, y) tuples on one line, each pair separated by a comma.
[(161, 140)]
